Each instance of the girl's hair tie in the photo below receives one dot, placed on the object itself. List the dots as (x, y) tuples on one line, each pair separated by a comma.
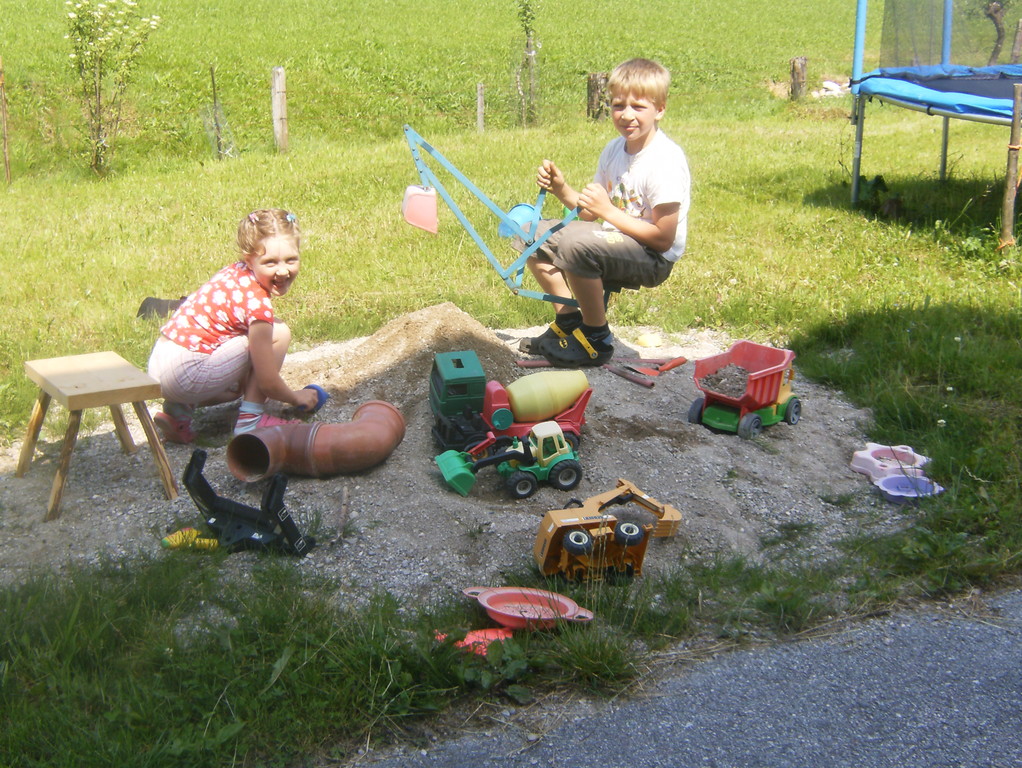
[(253, 218), (291, 217)]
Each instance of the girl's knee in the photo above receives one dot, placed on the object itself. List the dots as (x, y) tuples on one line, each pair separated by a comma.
[(281, 333)]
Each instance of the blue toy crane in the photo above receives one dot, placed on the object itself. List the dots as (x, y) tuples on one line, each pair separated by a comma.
[(420, 210)]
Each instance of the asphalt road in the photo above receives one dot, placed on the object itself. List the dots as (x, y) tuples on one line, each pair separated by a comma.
[(931, 688)]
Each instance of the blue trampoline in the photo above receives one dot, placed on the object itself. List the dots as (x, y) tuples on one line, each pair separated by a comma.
[(941, 58)]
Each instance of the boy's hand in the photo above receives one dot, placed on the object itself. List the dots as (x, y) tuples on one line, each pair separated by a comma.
[(549, 177), (595, 201)]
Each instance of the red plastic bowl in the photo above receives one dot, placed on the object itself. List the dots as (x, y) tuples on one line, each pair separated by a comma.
[(525, 608)]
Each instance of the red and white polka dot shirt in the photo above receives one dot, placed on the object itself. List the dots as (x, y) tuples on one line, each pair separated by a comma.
[(221, 309)]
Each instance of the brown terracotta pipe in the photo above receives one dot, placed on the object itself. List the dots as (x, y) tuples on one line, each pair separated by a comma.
[(318, 450)]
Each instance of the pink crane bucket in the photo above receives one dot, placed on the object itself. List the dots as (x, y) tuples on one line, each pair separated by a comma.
[(419, 207)]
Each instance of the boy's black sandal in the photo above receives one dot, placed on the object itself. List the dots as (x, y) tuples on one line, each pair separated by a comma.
[(578, 350), (554, 332)]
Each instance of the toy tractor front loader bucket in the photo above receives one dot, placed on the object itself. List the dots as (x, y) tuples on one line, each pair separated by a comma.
[(457, 469)]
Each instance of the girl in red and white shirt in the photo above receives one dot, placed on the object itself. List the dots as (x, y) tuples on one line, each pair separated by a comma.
[(224, 341)]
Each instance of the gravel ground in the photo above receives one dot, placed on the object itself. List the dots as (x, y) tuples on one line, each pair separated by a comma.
[(399, 528)]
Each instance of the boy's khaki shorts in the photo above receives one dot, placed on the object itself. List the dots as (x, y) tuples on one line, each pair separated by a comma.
[(584, 248)]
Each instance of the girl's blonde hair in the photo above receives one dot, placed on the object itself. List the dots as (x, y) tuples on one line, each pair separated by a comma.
[(268, 222), (642, 77)]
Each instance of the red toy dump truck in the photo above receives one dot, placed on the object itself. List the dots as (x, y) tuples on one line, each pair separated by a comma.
[(466, 407), (766, 399), (586, 541)]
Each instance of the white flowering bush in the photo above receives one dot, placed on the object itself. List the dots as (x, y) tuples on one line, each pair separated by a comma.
[(106, 42)]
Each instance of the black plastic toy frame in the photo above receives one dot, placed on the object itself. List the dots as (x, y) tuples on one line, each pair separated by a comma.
[(240, 526)]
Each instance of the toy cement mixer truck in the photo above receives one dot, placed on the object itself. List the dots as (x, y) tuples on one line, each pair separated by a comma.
[(466, 407)]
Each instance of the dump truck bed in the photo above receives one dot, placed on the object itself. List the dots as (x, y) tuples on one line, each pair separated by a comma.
[(765, 366)]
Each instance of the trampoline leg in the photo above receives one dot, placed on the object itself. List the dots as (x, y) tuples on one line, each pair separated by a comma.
[(943, 149), (858, 118)]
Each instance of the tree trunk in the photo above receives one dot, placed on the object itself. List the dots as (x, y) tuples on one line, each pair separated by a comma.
[(596, 95), (995, 12)]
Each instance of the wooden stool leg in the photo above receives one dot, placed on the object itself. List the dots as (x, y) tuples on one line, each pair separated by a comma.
[(57, 492), (121, 427), (35, 423), (159, 454)]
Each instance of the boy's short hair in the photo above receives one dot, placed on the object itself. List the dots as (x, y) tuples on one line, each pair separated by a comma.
[(642, 77)]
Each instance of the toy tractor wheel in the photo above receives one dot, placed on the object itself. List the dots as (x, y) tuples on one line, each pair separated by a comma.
[(565, 475), (577, 542), (793, 411), (750, 426), (628, 534), (695, 411), (521, 484)]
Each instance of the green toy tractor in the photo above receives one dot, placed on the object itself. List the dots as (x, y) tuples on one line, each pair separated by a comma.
[(543, 456)]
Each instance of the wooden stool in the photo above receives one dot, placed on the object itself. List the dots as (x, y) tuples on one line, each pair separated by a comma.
[(92, 381)]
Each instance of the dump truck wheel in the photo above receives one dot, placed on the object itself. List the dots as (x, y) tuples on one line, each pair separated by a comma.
[(750, 426), (565, 475), (628, 534), (572, 440), (577, 542), (521, 484), (793, 411), (695, 411)]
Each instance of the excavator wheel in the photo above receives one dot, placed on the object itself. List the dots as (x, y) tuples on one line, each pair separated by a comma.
[(577, 542)]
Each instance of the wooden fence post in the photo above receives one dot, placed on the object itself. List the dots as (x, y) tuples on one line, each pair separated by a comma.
[(1011, 176), (218, 135), (479, 107), (3, 123), (279, 98), (798, 77), (596, 95)]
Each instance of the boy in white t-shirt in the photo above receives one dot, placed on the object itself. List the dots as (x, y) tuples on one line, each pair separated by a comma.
[(633, 219)]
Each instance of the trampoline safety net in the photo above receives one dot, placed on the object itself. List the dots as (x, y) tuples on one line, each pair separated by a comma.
[(982, 33)]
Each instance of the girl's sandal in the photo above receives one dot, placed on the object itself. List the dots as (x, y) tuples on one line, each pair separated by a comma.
[(174, 430)]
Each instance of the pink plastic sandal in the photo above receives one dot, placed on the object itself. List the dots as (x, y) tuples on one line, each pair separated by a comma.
[(174, 430)]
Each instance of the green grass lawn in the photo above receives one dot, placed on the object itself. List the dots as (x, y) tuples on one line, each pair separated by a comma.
[(918, 318)]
